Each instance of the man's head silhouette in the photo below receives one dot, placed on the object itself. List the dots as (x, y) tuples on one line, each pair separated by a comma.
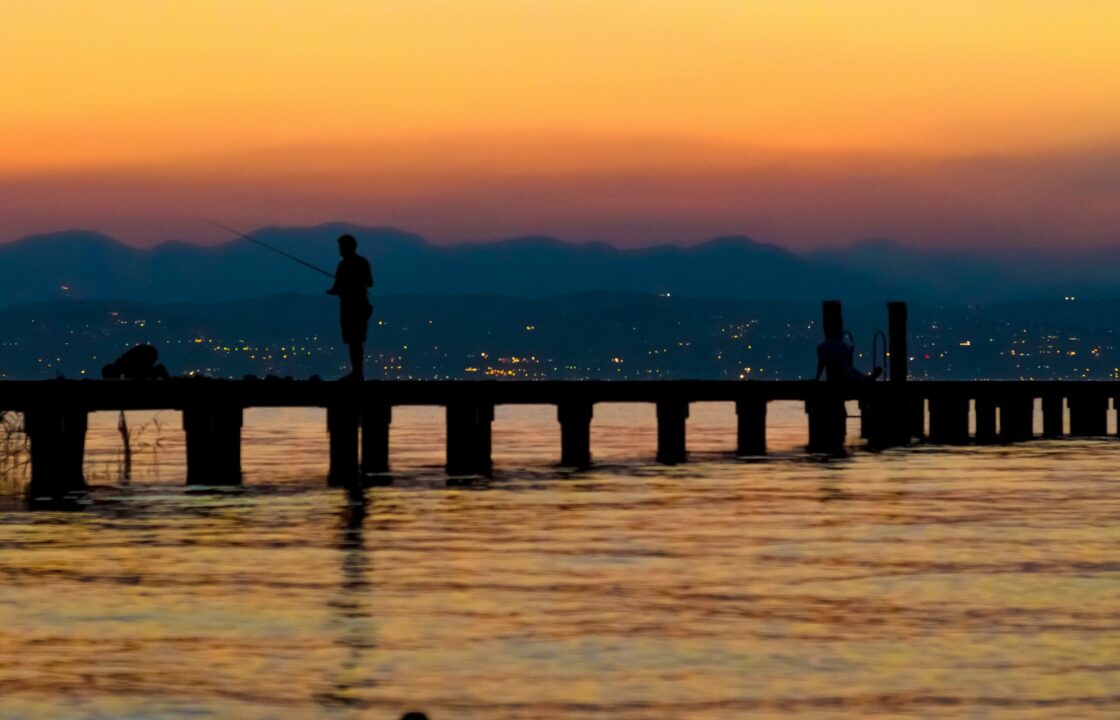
[(347, 245)]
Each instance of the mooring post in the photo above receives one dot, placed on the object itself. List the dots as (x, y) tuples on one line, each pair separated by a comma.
[(1088, 414), (575, 433), (213, 444), (986, 421), (469, 438), (828, 419), (948, 419), (1016, 418), (671, 420), (1053, 416), (58, 441), (376, 418), (343, 420), (751, 414), (897, 341)]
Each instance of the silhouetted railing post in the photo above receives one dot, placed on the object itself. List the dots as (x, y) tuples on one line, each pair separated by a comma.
[(1088, 414), (751, 416), (1016, 418), (986, 421), (58, 440), (672, 416), (1053, 416), (376, 418), (469, 438), (948, 419), (342, 425), (213, 444), (575, 433)]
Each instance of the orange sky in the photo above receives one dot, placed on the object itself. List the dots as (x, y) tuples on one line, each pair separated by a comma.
[(803, 123)]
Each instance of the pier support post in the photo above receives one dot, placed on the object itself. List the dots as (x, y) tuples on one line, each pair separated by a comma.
[(58, 441), (948, 420), (1088, 415), (828, 421), (213, 444), (1053, 416), (469, 438), (986, 421), (1016, 419), (575, 433), (751, 413), (376, 418), (342, 425), (671, 420)]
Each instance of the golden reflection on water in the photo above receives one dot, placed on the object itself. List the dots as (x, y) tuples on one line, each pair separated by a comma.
[(975, 582)]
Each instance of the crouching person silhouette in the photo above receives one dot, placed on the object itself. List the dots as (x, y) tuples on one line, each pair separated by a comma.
[(137, 363), (352, 280)]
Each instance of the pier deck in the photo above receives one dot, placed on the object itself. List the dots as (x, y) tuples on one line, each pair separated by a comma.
[(359, 416)]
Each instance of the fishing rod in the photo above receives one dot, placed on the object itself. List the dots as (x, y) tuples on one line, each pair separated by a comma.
[(276, 250)]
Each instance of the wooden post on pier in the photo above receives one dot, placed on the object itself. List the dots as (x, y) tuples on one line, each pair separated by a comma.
[(469, 438), (895, 418), (58, 440), (213, 444), (1053, 416), (1088, 414), (986, 421), (751, 415), (897, 341), (948, 419), (671, 420), (376, 418), (342, 426), (1016, 418), (575, 433)]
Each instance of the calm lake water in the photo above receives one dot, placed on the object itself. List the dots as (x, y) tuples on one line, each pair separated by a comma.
[(972, 582)]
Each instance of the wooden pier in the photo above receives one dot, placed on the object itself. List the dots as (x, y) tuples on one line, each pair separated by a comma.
[(359, 416)]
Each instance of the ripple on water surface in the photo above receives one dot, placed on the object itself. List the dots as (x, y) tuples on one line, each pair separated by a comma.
[(913, 583)]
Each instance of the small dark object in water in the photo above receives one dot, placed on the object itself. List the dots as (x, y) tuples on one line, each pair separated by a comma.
[(414, 716), (315, 378), (137, 363)]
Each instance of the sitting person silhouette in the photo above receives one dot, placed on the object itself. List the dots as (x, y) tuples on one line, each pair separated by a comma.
[(834, 358), (137, 363)]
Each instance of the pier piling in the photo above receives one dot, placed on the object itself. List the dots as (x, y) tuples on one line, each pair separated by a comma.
[(986, 421), (1088, 414), (58, 439), (575, 433), (342, 425), (213, 435), (751, 419), (671, 420), (828, 419), (948, 419), (469, 438), (1053, 416), (376, 418), (1016, 418)]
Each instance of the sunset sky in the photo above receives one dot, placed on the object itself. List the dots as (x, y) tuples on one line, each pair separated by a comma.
[(950, 123)]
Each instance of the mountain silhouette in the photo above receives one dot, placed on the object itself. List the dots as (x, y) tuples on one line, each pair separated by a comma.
[(89, 265), (86, 265)]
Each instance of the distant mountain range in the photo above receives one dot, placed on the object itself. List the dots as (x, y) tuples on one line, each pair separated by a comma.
[(88, 265)]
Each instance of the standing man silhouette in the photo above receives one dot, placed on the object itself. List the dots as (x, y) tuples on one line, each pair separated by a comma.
[(352, 280)]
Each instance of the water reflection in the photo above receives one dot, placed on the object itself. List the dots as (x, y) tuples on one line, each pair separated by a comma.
[(352, 622)]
